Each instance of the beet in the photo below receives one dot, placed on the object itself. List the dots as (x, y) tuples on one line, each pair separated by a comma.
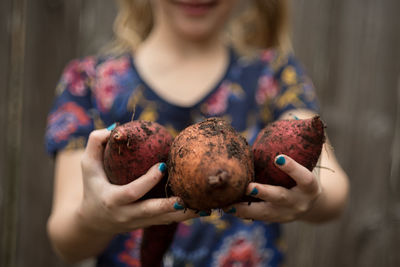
[(210, 165), (301, 140), (155, 242), (132, 149)]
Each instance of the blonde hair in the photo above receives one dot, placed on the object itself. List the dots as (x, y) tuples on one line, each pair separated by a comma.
[(263, 24)]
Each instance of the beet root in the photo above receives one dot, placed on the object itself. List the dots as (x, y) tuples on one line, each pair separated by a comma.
[(132, 149), (301, 140), (210, 165), (156, 241)]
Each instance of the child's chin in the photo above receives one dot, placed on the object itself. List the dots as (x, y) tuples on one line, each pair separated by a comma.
[(197, 32)]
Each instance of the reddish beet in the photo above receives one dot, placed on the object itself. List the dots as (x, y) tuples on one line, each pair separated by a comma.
[(210, 165), (156, 241), (301, 140), (132, 149)]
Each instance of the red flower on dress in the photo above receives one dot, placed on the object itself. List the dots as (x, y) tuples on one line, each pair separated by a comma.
[(131, 254), (241, 253), (183, 230), (107, 82), (246, 249), (66, 120), (217, 103), (267, 89), (76, 75), (267, 55)]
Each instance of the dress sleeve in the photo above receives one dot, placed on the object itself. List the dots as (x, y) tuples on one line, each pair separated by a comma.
[(284, 86), (69, 121)]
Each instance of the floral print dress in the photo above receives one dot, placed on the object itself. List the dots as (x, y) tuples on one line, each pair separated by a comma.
[(95, 92)]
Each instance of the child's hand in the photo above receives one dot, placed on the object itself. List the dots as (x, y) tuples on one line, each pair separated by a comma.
[(114, 209), (280, 204)]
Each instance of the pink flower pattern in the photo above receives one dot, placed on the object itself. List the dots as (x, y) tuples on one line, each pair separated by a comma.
[(131, 255), (267, 55), (267, 89), (244, 249), (217, 103), (76, 75), (107, 83), (66, 121)]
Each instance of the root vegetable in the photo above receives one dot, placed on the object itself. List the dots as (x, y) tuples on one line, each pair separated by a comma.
[(131, 150), (301, 140), (210, 165), (155, 242)]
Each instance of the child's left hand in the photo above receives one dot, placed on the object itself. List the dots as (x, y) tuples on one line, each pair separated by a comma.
[(280, 204)]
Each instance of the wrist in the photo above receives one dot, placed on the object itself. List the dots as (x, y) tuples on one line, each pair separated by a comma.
[(75, 238), (317, 209), (90, 225)]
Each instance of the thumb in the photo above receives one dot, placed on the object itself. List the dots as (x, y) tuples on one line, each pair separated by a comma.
[(125, 194)]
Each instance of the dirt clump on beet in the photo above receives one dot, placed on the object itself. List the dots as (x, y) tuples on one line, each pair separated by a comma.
[(301, 140), (210, 165)]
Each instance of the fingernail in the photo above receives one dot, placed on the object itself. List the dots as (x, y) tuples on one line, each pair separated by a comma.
[(231, 210), (254, 192), (296, 118), (203, 213), (280, 160), (112, 126), (178, 206), (162, 167)]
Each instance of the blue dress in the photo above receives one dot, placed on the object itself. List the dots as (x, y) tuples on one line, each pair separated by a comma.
[(95, 92)]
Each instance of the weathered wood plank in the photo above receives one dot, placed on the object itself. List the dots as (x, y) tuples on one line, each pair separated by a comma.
[(96, 25), (356, 78), (56, 34), (5, 11), (52, 33), (13, 117)]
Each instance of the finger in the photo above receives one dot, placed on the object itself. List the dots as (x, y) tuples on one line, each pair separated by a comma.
[(125, 194), (154, 208), (263, 211), (256, 211), (168, 218), (92, 159), (271, 193), (176, 216), (305, 179), (95, 145)]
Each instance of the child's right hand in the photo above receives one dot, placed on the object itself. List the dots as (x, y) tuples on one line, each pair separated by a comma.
[(114, 209)]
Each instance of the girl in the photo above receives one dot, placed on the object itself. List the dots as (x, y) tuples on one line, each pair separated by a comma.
[(178, 62)]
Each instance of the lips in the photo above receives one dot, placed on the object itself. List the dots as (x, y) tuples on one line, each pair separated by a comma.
[(195, 2), (196, 7)]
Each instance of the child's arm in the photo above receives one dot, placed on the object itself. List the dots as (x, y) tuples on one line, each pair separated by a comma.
[(316, 198), (88, 211)]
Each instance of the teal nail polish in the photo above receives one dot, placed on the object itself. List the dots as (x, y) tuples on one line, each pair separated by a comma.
[(296, 118), (254, 192), (112, 126), (204, 213), (162, 167), (280, 160), (178, 206), (231, 210)]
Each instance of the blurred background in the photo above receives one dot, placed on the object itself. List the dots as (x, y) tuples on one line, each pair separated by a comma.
[(351, 50)]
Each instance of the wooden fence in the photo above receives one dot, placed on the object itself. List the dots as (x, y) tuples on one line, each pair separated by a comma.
[(351, 49)]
